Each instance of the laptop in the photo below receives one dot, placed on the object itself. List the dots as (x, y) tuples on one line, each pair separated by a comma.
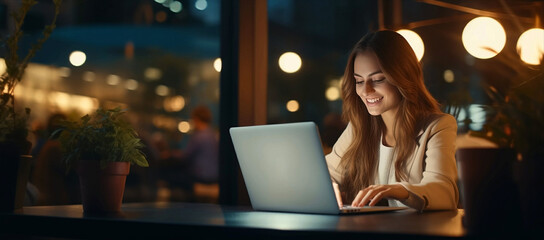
[(284, 169)]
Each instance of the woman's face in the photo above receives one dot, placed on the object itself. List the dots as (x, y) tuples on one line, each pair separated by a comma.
[(379, 96)]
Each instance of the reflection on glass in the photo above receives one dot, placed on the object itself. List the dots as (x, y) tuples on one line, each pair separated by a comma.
[(140, 55)]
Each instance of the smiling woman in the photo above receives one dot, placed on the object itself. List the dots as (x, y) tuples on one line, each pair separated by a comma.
[(398, 145), (378, 95)]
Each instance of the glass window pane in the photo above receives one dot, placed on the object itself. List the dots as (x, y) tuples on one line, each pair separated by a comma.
[(159, 59)]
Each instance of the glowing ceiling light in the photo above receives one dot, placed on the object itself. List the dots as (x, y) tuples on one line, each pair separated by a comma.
[(484, 37), (415, 42), (530, 46), (290, 62), (77, 58)]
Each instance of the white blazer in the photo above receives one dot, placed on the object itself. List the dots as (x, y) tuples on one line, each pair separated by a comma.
[(431, 169)]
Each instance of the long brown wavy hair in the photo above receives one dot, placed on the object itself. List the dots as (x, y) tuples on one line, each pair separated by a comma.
[(417, 108)]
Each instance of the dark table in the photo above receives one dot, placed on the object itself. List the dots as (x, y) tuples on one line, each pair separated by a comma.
[(202, 221)]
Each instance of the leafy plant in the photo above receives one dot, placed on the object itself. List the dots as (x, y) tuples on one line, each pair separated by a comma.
[(517, 107), (519, 117), (103, 136), (13, 125)]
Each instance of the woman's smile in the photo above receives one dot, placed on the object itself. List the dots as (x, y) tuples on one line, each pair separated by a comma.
[(374, 100)]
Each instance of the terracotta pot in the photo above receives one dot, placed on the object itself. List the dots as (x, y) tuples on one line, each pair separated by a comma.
[(102, 189), (489, 192), (14, 173)]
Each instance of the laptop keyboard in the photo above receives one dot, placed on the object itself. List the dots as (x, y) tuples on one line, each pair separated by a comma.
[(349, 207)]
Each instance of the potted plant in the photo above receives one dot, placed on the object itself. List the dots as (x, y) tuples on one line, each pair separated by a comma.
[(14, 147), (101, 148), (516, 91), (518, 124)]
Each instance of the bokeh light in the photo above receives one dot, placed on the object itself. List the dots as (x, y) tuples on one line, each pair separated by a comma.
[(484, 37), (162, 90), (217, 64), (184, 126), (152, 73), (113, 80), (290, 62), (131, 84), (77, 58), (89, 76), (201, 4), (449, 76), (176, 6), (292, 106), (332, 93), (174, 104), (64, 72)]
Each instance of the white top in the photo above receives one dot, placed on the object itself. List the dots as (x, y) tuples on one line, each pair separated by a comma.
[(431, 169), (386, 175), (384, 165)]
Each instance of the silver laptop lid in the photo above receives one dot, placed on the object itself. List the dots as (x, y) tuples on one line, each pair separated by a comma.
[(284, 168)]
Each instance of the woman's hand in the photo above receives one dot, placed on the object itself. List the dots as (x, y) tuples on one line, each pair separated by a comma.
[(338, 194), (374, 193)]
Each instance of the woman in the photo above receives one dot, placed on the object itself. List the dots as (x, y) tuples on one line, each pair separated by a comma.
[(398, 145)]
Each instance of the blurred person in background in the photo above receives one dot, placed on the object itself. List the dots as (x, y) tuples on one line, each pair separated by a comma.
[(195, 168), (55, 185)]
